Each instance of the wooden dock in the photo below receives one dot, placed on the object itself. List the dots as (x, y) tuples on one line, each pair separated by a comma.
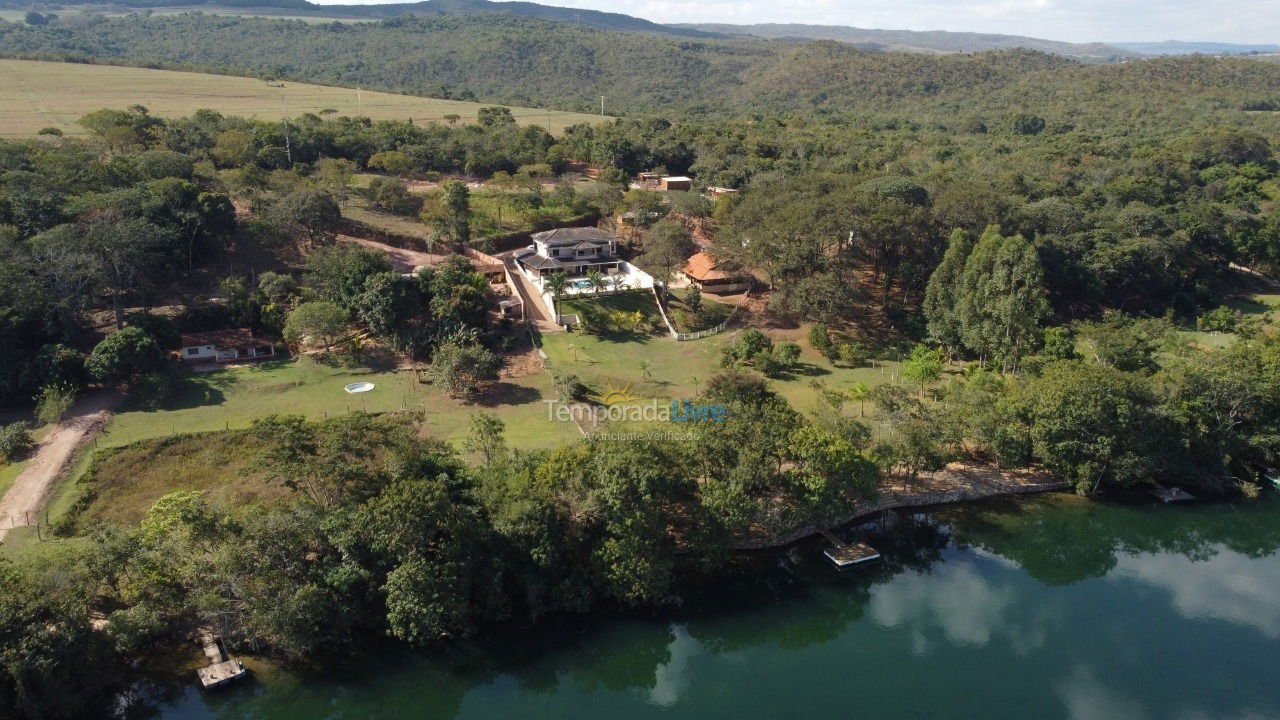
[(222, 667), (1170, 495), (845, 554)]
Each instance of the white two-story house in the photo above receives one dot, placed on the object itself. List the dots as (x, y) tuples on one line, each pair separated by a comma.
[(573, 251)]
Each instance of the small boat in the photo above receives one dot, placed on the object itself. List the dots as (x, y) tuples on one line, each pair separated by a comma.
[(1273, 476)]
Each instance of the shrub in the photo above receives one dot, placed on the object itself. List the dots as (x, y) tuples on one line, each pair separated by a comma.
[(15, 440), (852, 354), (53, 402), (820, 340), (1220, 319), (787, 354)]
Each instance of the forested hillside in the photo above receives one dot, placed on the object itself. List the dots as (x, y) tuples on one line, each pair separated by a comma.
[(521, 60)]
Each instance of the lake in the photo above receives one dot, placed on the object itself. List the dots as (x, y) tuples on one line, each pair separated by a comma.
[(1052, 607)]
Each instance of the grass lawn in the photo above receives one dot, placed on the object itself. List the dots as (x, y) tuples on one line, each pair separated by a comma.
[(233, 397), (679, 370), (34, 95)]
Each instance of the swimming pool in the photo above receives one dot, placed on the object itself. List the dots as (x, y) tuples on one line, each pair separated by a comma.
[(581, 284)]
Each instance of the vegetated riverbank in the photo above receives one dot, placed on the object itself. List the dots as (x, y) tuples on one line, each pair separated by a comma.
[(956, 483), (966, 596)]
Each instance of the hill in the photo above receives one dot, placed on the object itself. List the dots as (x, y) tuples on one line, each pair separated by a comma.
[(36, 95), (425, 8), (915, 41), (1178, 47), (523, 61)]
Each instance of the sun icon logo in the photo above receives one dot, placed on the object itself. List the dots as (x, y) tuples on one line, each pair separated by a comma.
[(614, 395)]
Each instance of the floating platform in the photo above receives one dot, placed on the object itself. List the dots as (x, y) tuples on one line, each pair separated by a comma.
[(221, 673), (222, 668), (1170, 495), (845, 554)]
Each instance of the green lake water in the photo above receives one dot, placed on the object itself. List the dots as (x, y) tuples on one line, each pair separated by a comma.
[(1052, 607)]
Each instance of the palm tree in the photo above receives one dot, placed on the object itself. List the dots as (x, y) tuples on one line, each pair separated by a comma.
[(620, 283), (695, 385), (858, 392), (556, 282), (644, 369), (574, 349), (597, 280)]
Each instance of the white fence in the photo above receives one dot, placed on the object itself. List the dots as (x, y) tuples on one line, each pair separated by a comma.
[(681, 337)]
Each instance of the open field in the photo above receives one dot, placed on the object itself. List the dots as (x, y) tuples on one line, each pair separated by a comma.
[(35, 95), (232, 398), (679, 370)]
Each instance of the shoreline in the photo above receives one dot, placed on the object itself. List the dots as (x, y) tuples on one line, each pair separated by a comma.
[(956, 483)]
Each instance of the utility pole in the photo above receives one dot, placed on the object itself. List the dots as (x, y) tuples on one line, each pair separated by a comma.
[(602, 105), (359, 99)]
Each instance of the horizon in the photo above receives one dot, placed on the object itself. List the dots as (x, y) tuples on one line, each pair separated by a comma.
[(1252, 22)]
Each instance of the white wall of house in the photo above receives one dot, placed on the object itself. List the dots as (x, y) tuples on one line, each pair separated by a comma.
[(199, 352)]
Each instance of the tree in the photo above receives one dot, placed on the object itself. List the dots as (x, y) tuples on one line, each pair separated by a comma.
[(1002, 298), (556, 282), (392, 161), (452, 221), (1092, 424), (459, 367), (924, 366), (820, 341), (859, 392), (597, 280), (335, 176), (311, 212), (667, 245), (388, 305), (942, 295), (486, 438), (338, 273), (123, 356), (319, 320)]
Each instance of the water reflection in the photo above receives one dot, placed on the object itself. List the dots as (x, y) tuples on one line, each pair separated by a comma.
[(1226, 586), (1051, 608)]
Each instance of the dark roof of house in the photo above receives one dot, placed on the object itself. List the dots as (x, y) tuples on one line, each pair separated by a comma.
[(541, 262), (573, 236), (237, 338)]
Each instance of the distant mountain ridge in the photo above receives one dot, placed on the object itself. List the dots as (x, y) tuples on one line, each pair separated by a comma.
[(933, 41), (909, 41), (1179, 47)]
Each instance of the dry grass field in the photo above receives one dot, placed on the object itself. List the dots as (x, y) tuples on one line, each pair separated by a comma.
[(35, 95)]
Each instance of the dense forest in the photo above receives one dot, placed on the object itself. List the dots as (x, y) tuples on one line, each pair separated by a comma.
[(527, 61), (1040, 227)]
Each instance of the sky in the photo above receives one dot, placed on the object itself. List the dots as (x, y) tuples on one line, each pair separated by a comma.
[(1240, 21)]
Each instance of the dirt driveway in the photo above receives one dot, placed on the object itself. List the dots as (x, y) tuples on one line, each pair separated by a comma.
[(22, 504)]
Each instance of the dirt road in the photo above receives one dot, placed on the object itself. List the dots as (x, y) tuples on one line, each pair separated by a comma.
[(402, 259), (20, 507)]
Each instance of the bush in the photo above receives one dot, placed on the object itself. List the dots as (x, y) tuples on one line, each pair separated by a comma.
[(15, 440), (459, 368), (748, 348), (1220, 319), (820, 340), (852, 354), (787, 354), (53, 402)]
